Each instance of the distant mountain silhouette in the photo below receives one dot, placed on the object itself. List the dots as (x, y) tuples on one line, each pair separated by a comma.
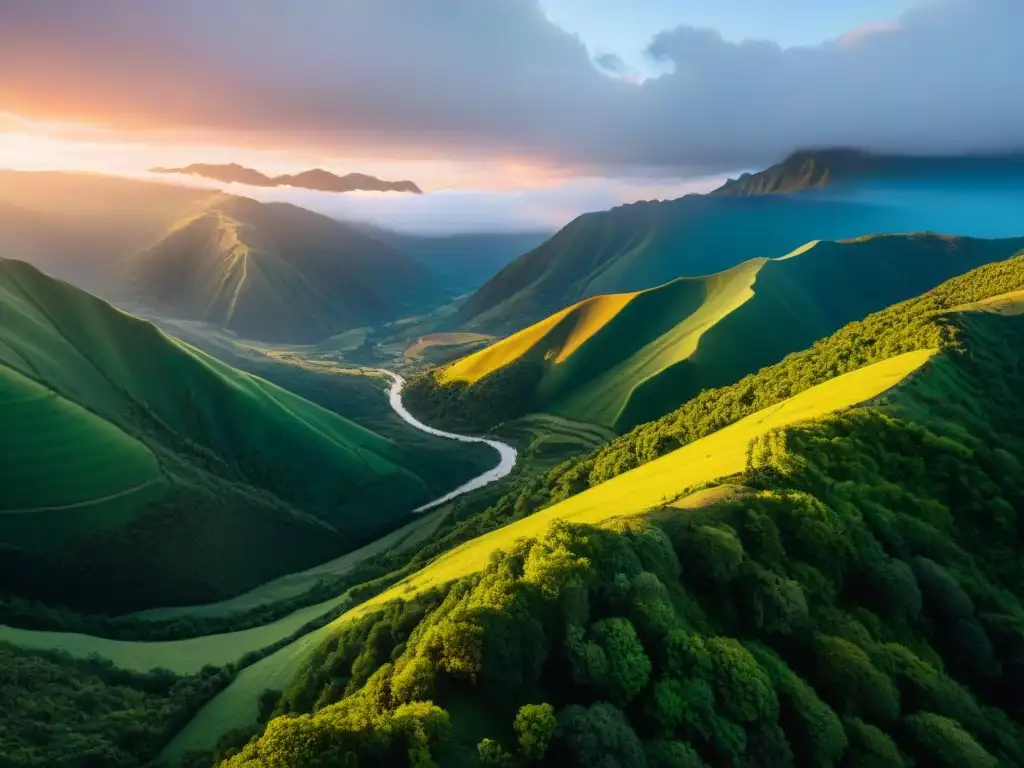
[(807, 169), (317, 178)]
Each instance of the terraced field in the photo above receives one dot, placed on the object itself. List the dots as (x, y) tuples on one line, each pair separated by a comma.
[(648, 487), (622, 359)]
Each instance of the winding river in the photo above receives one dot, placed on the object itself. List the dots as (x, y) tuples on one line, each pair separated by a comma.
[(292, 584), (237, 705), (505, 451)]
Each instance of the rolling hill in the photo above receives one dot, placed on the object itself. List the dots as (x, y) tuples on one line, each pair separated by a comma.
[(622, 359), (638, 246), (834, 534), (316, 178), (78, 226), (275, 272), (137, 471), (860, 463)]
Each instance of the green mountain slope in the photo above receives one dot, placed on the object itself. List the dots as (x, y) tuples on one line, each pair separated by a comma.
[(638, 246), (622, 359), (275, 272), (877, 547), (854, 602), (137, 470)]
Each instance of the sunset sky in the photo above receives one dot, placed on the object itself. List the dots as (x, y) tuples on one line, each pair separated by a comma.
[(503, 94)]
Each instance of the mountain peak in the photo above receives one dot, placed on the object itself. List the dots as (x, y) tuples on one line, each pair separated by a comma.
[(803, 169), (316, 178)]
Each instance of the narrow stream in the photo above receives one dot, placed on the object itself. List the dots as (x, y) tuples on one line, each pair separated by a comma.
[(505, 451)]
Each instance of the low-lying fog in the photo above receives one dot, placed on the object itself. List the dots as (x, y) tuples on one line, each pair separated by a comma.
[(453, 211), (978, 207)]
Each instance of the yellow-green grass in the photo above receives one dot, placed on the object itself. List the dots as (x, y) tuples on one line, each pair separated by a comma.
[(554, 338), (661, 481), (183, 657), (637, 492), (191, 655), (600, 349), (1008, 304), (623, 359), (445, 340)]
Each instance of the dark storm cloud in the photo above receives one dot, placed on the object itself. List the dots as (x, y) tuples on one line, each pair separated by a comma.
[(465, 76)]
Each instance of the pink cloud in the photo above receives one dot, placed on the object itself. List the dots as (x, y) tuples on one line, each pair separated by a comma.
[(857, 34)]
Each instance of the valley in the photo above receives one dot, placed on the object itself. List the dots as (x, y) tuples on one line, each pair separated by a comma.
[(292, 480), (519, 384)]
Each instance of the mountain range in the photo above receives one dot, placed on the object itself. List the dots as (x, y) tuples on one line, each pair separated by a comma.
[(810, 169), (618, 360), (317, 178), (764, 509), (636, 246)]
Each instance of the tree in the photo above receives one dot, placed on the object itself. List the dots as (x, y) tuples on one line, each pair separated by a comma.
[(598, 736), (742, 688), (457, 645), (650, 607), (629, 668), (844, 674), (667, 706), (551, 566), (413, 682), (295, 742), (812, 728), (493, 755), (891, 588), (686, 655), (656, 553), (535, 724), (672, 754), (942, 594), (870, 747), (714, 553), (777, 605), (588, 660), (942, 742)]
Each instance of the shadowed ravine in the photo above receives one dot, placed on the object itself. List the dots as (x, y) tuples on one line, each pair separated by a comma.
[(505, 451)]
